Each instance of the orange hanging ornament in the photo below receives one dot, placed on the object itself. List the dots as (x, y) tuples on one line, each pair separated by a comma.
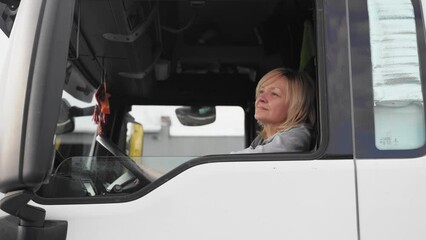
[(102, 109)]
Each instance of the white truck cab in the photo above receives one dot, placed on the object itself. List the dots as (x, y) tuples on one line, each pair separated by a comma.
[(95, 94)]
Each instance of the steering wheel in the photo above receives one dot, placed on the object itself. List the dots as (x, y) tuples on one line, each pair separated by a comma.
[(127, 180)]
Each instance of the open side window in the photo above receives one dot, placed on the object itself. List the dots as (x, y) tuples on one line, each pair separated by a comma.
[(173, 53)]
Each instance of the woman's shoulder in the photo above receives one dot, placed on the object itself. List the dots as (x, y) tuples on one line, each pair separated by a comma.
[(297, 138), (300, 129)]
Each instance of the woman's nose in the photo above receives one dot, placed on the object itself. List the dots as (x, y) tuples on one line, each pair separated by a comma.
[(262, 98)]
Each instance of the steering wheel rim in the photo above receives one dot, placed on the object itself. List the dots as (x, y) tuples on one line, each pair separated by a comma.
[(128, 161)]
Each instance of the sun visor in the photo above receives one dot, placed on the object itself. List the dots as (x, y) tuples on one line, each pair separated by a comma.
[(77, 85)]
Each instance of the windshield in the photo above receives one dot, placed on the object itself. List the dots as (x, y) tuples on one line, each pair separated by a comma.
[(164, 135)]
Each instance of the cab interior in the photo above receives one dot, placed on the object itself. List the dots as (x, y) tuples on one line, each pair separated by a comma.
[(193, 53), (187, 52)]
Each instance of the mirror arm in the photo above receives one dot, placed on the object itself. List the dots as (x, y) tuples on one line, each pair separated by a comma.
[(31, 224), (77, 112), (15, 203)]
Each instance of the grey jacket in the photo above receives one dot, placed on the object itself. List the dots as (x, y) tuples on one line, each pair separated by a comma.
[(296, 139)]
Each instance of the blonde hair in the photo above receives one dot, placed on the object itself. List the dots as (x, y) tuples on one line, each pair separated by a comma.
[(300, 95)]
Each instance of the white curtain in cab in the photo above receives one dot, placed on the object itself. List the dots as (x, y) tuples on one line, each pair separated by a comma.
[(399, 121), (395, 59)]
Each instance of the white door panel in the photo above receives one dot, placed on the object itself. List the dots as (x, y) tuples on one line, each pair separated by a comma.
[(246, 200), (392, 198)]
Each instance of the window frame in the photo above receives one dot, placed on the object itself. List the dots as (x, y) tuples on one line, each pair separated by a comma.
[(117, 133)]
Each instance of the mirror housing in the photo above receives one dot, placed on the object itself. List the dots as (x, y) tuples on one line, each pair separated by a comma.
[(196, 116), (65, 122), (67, 113), (30, 96)]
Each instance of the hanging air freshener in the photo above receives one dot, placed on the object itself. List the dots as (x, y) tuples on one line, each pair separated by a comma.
[(102, 109)]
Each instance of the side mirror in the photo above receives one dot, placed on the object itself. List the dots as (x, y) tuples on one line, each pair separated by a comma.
[(26, 140), (196, 116), (67, 113), (65, 122)]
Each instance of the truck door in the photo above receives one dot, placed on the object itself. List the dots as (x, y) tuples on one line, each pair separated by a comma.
[(308, 195)]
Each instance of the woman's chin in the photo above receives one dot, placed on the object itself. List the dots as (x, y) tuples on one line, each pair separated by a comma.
[(258, 117)]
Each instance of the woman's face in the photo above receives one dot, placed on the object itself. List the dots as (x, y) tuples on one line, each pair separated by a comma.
[(271, 106)]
